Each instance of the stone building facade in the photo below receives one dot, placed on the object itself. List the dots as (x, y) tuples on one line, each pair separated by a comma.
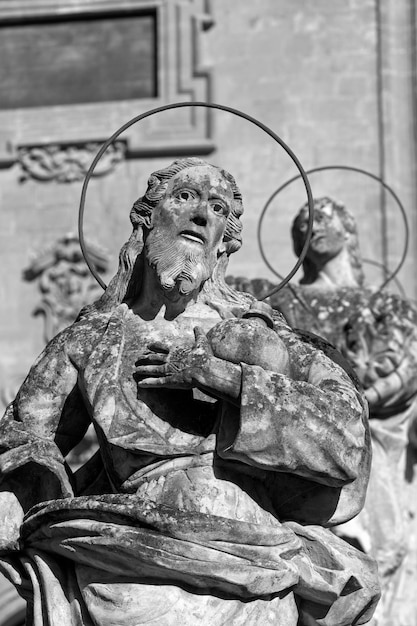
[(336, 80)]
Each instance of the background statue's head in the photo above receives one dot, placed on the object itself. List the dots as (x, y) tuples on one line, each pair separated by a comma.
[(334, 230), (127, 282)]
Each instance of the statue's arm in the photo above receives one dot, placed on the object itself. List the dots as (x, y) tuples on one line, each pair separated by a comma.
[(48, 396), (49, 406), (311, 423), (314, 428), (195, 366), (307, 428), (34, 433)]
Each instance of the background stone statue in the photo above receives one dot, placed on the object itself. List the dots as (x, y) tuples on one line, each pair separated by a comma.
[(377, 332), (64, 281), (229, 445)]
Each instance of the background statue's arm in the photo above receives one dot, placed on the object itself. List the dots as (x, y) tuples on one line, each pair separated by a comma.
[(381, 344), (397, 385)]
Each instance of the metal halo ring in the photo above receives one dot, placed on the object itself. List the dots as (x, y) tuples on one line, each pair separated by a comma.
[(351, 169), (383, 267), (177, 105)]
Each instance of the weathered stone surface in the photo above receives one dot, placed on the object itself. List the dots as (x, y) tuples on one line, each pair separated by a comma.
[(377, 332), (220, 472)]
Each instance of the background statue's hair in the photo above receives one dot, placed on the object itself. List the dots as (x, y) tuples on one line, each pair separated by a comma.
[(126, 284), (349, 224)]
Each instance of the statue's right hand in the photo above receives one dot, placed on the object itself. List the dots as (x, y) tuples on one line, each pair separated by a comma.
[(174, 367), (187, 367)]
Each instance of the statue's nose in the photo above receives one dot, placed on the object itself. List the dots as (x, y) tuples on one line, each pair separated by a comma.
[(318, 226), (199, 213)]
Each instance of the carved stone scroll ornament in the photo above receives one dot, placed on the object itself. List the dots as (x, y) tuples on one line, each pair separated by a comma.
[(67, 163), (64, 281)]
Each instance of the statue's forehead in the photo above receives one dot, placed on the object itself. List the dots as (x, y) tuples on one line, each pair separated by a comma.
[(204, 176), (319, 211), (327, 210)]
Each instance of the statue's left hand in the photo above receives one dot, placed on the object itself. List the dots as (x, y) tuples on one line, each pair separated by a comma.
[(173, 368)]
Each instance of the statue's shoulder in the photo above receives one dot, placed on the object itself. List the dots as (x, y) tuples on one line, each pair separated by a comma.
[(79, 339)]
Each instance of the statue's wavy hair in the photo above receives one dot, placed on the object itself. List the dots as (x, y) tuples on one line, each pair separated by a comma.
[(349, 224), (126, 284)]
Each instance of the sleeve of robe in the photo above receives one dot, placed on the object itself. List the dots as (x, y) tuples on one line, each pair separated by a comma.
[(45, 421), (308, 432)]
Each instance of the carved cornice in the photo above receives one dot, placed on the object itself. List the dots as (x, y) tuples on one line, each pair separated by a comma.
[(67, 163), (18, 10)]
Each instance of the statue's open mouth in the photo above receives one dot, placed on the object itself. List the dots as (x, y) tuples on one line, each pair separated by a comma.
[(316, 238), (193, 236)]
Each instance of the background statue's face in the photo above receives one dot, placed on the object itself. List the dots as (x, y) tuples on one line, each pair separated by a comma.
[(188, 226), (328, 236)]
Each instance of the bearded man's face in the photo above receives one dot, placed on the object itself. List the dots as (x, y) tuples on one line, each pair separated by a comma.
[(188, 226)]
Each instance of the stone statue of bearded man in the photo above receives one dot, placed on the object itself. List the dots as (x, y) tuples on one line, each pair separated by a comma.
[(218, 472)]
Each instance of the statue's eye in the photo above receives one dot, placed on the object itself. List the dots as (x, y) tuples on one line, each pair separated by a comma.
[(185, 195), (219, 207)]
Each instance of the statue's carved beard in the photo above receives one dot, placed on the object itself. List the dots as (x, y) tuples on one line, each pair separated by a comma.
[(177, 263)]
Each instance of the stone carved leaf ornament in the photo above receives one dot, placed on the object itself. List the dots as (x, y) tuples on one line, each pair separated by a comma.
[(64, 281), (66, 164)]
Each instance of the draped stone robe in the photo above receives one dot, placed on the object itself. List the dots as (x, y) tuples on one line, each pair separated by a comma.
[(194, 511)]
